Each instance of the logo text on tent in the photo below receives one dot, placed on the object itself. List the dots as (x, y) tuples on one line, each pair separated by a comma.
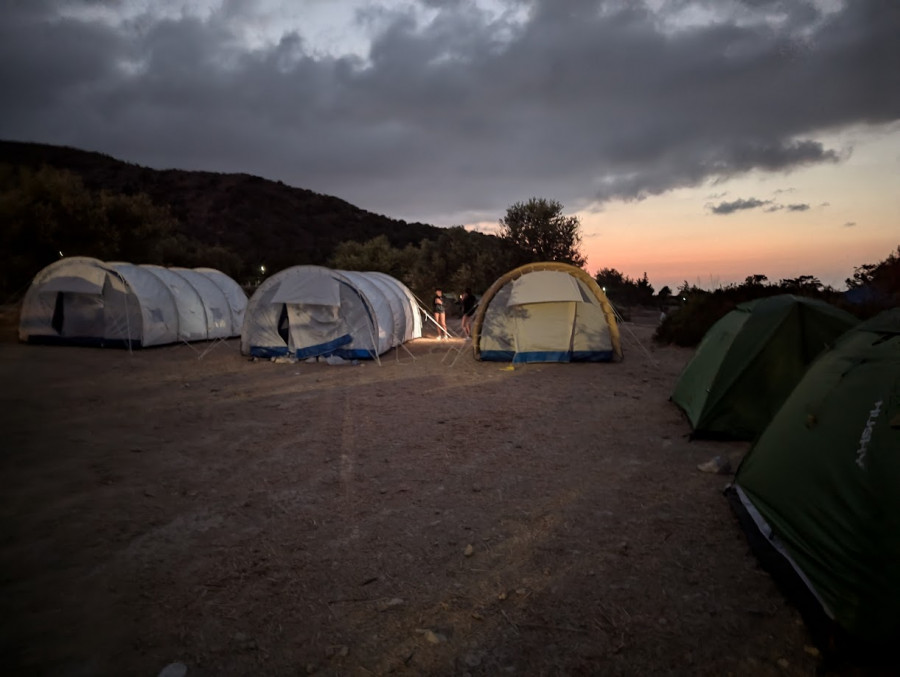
[(866, 436)]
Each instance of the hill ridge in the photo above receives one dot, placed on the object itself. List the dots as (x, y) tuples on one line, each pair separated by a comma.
[(264, 221)]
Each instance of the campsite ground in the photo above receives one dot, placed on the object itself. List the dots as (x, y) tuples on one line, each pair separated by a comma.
[(428, 516)]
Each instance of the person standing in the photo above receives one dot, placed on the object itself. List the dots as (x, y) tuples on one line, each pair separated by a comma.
[(440, 314), (468, 303)]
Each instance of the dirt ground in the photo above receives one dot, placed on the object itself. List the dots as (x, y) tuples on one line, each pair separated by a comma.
[(428, 516)]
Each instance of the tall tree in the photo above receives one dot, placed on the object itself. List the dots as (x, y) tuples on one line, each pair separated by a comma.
[(540, 229), (884, 276), (376, 254), (623, 290)]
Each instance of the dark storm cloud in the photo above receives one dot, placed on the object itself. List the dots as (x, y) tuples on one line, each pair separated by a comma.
[(458, 119)]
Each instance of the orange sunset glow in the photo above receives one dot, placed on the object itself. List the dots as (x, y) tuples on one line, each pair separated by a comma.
[(852, 219)]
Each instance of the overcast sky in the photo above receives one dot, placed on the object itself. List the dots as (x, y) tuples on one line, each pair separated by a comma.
[(448, 111)]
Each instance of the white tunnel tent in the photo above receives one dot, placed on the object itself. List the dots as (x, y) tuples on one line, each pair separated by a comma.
[(312, 311), (84, 301)]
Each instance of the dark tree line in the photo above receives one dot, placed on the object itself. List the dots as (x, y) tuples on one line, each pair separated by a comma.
[(696, 310), (623, 291), (47, 214), (458, 259)]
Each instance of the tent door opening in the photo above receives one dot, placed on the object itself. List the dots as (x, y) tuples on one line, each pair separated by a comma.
[(284, 325), (78, 315)]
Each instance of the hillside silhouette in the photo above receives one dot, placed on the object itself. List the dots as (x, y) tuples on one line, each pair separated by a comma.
[(260, 222)]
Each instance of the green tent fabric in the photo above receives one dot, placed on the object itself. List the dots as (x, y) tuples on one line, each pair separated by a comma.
[(751, 359), (821, 486)]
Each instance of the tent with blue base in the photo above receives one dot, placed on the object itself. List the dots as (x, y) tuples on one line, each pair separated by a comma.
[(546, 312), (80, 300), (313, 311)]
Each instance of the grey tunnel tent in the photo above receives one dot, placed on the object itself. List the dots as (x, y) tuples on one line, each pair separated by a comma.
[(818, 494), (84, 301), (312, 311)]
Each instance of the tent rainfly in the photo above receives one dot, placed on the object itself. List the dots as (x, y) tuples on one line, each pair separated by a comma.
[(83, 301), (750, 360), (311, 311), (546, 312), (817, 494)]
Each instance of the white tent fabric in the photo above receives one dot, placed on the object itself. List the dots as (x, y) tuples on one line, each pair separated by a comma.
[(311, 311), (544, 286), (234, 295), (214, 304), (84, 301), (158, 322), (187, 300), (316, 286)]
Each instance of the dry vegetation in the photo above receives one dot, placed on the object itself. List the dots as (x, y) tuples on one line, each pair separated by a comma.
[(411, 518)]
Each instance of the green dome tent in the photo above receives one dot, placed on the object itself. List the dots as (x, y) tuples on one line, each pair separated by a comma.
[(819, 492), (750, 360)]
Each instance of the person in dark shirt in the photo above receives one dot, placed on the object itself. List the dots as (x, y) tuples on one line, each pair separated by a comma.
[(468, 302)]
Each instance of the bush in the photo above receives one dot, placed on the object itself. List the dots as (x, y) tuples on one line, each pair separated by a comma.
[(687, 325)]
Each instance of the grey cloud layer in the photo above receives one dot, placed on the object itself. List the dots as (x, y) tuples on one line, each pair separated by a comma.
[(585, 101), (742, 204)]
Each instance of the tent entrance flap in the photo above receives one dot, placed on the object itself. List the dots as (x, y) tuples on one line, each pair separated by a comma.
[(544, 329), (313, 325), (284, 324), (78, 315)]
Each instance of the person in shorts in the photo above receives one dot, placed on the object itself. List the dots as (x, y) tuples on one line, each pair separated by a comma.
[(440, 314)]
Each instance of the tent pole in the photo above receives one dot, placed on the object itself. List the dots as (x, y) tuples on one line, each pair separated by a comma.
[(408, 352), (446, 332), (127, 319), (459, 351), (187, 343), (429, 316), (215, 342), (634, 336), (374, 346)]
